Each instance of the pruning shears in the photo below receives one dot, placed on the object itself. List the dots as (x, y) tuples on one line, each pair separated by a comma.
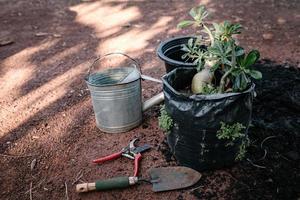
[(129, 151)]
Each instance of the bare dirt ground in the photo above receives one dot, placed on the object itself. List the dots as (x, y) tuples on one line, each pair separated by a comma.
[(46, 113)]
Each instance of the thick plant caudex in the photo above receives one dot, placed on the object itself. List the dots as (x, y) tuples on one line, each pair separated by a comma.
[(222, 56)]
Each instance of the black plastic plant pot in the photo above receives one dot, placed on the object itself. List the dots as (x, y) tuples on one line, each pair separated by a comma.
[(197, 118), (170, 52)]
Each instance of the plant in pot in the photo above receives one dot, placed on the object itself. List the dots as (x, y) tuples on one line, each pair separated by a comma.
[(171, 52), (208, 109)]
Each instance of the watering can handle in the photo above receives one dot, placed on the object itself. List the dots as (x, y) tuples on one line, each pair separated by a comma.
[(114, 53)]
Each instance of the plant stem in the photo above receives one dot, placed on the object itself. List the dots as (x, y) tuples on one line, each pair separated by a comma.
[(222, 81), (233, 63), (211, 37)]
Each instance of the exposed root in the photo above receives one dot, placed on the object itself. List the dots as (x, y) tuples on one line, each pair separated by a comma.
[(78, 177), (30, 191), (38, 185), (264, 156), (196, 188), (17, 156), (261, 146), (255, 165), (67, 195), (267, 138)]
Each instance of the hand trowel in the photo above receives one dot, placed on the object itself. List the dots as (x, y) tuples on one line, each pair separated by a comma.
[(162, 179)]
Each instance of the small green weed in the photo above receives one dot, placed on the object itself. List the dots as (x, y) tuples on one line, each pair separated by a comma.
[(231, 133), (242, 149), (165, 122), (209, 89)]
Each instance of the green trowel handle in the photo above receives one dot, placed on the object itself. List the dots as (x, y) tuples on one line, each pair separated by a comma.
[(113, 183)]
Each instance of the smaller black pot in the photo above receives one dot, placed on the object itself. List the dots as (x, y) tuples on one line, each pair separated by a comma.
[(170, 52)]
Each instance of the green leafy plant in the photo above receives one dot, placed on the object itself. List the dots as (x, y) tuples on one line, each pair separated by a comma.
[(242, 149), (194, 52), (233, 133), (165, 122), (222, 55), (224, 31), (209, 89), (230, 132), (243, 71), (198, 14)]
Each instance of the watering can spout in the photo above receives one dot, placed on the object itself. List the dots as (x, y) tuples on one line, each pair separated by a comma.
[(153, 101)]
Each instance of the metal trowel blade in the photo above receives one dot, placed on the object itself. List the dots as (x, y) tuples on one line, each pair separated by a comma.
[(172, 178)]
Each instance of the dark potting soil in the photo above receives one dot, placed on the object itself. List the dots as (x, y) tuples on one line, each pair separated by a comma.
[(271, 169)]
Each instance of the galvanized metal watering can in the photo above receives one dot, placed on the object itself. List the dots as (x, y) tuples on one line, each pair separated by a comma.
[(117, 97)]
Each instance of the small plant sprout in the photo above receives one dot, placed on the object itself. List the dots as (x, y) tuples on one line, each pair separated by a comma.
[(224, 31), (198, 14), (230, 132), (221, 55), (242, 149), (165, 122), (233, 133)]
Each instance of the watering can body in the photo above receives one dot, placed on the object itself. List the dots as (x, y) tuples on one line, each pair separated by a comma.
[(118, 107)]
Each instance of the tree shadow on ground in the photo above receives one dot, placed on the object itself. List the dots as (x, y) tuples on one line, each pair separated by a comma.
[(70, 45), (53, 100), (58, 51)]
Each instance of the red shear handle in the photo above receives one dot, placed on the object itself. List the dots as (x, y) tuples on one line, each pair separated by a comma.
[(137, 159), (110, 157)]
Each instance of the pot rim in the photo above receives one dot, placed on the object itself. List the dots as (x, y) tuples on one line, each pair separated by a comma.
[(162, 56)]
